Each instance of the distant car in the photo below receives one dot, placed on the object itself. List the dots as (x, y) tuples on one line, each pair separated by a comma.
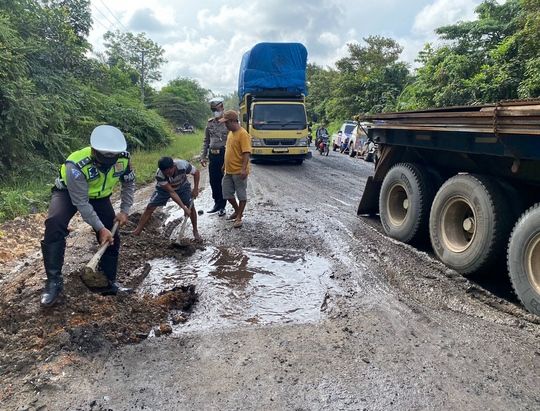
[(346, 129), (358, 138)]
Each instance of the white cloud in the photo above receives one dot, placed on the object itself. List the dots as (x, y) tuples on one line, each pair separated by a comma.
[(205, 40), (442, 13)]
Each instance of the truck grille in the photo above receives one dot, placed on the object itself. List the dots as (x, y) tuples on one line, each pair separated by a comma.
[(280, 142)]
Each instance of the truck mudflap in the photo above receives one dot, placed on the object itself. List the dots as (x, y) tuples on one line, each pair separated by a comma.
[(388, 156), (369, 203)]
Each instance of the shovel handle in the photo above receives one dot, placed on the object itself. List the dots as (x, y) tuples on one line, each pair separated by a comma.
[(184, 223), (92, 264)]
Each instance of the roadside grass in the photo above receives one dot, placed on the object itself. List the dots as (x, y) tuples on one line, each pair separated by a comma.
[(33, 196), (23, 198), (184, 146)]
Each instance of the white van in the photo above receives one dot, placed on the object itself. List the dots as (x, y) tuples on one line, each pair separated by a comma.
[(358, 138), (346, 131)]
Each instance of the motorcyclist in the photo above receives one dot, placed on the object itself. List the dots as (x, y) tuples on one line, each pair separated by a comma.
[(321, 135), (369, 150)]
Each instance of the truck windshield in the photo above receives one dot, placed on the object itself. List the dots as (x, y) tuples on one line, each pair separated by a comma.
[(279, 117)]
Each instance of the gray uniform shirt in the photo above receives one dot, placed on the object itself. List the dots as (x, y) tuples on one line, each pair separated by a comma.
[(215, 137), (78, 191)]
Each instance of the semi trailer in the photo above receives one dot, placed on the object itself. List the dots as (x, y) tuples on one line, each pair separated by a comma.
[(468, 179)]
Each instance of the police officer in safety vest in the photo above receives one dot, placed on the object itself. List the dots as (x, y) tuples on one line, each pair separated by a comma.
[(213, 152), (85, 184)]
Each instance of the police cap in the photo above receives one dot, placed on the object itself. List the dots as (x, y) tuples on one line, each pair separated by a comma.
[(108, 139)]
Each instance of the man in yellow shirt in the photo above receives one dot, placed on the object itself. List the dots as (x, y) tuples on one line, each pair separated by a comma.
[(236, 165)]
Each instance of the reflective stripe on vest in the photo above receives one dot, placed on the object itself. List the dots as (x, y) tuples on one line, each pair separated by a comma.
[(100, 185)]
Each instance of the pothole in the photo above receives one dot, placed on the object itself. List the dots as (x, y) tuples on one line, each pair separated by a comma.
[(245, 286)]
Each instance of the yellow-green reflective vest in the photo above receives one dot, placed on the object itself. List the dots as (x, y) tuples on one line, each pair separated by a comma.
[(100, 185)]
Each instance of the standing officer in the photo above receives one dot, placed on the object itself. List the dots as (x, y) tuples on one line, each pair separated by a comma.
[(213, 152), (85, 184)]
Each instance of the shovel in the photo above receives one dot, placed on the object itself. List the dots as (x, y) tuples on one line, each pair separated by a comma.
[(180, 235), (90, 276)]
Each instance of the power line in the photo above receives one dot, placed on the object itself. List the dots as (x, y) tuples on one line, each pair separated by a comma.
[(114, 15), (104, 16), (94, 20)]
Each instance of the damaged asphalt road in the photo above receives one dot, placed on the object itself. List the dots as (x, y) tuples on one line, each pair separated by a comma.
[(307, 306)]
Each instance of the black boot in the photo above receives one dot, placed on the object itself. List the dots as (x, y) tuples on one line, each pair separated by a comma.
[(214, 209), (53, 260), (109, 266)]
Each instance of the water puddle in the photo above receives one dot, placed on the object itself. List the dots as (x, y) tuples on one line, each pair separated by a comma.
[(243, 286)]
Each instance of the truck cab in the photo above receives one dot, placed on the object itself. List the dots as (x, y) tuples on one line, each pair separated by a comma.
[(277, 125)]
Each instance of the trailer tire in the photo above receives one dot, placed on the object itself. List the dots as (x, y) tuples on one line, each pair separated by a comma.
[(469, 223), (404, 202), (524, 259)]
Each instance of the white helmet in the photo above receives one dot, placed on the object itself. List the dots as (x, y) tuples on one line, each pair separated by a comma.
[(108, 139)]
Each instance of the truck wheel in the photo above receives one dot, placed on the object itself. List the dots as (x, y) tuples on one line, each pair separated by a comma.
[(524, 259), (404, 201), (469, 223)]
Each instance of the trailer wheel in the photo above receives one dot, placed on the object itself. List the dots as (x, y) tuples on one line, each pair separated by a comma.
[(524, 259), (469, 223), (404, 202)]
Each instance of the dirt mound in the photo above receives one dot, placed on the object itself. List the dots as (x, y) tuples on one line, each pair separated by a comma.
[(35, 343), (20, 236)]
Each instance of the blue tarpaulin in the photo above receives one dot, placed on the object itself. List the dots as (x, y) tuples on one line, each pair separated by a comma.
[(273, 66)]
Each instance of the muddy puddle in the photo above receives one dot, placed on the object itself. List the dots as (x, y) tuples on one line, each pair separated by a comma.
[(245, 286)]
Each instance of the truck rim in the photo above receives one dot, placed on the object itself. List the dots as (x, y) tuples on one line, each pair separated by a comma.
[(458, 224), (532, 255), (397, 205)]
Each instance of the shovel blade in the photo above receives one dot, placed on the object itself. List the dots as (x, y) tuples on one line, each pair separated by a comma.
[(94, 279)]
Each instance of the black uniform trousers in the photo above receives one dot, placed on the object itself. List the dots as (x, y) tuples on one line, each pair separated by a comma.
[(62, 210), (215, 172)]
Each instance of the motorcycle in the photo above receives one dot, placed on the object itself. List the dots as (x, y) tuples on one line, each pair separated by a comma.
[(323, 146)]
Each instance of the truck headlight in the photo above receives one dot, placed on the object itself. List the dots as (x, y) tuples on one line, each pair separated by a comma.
[(257, 142), (301, 141)]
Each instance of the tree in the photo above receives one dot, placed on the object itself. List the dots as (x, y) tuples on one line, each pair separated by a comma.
[(370, 78), (489, 59), (127, 50), (320, 99), (182, 100)]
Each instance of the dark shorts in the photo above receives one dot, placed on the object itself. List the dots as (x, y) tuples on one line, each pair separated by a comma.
[(161, 196)]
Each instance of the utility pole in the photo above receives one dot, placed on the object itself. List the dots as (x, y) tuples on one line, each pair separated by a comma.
[(142, 76)]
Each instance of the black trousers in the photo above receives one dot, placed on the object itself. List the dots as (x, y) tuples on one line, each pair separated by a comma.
[(215, 172), (62, 210)]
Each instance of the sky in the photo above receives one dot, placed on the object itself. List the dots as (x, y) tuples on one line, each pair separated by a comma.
[(205, 40)]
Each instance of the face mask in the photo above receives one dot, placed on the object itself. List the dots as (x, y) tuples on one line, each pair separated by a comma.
[(218, 114), (104, 163)]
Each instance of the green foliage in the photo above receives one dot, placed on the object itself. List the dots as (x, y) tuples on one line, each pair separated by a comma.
[(369, 79), (183, 100), (32, 197), (489, 59)]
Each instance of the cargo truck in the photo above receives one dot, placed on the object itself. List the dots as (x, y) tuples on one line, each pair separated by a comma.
[(467, 178), (272, 90)]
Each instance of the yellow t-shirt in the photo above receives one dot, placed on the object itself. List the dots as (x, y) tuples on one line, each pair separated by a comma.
[(238, 142)]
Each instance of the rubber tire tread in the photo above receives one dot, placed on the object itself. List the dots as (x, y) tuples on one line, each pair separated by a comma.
[(499, 221), (422, 188), (527, 226)]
